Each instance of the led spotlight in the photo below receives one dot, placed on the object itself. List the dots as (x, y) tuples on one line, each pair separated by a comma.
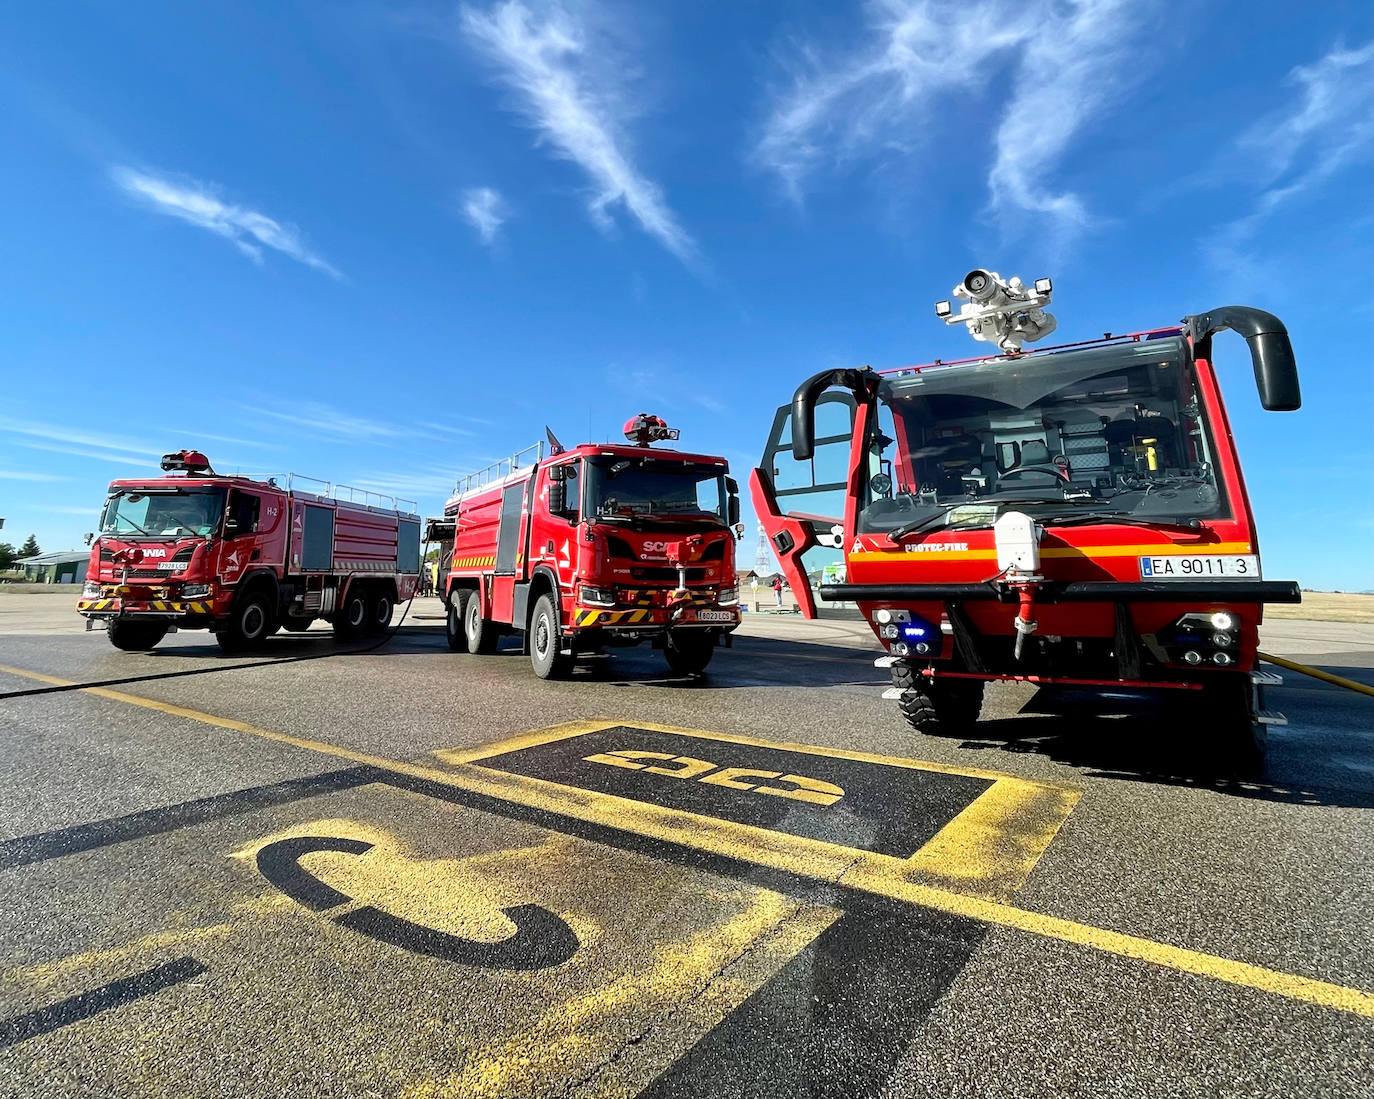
[(1221, 660), (899, 648), (1223, 640), (883, 615), (1223, 620), (1192, 656)]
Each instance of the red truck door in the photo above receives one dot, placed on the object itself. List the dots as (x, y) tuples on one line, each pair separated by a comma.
[(798, 503)]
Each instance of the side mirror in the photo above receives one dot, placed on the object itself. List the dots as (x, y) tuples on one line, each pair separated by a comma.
[(90, 537), (859, 382), (558, 495), (732, 505)]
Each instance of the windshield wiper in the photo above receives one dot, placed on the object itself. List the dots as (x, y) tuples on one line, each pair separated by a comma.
[(896, 536), (131, 523), (1189, 526)]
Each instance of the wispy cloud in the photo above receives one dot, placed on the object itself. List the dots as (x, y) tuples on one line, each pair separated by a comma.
[(1327, 127), (107, 444), (551, 63), (327, 422), (26, 475), (423, 482), (1061, 62), (486, 210), (248, 230)]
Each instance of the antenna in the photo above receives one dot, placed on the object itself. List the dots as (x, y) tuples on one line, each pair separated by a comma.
[(763, 556)]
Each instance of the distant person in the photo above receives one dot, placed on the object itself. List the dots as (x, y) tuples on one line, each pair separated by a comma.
[(777, 589)]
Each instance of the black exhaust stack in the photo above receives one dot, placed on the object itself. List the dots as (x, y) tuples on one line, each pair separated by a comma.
[(1276, 371)]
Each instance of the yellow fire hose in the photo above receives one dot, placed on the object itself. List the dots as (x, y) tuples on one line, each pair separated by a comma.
[(1316, 673)]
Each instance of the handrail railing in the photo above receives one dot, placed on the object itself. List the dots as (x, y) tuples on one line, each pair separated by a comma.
[(333, 491), (503, 467)]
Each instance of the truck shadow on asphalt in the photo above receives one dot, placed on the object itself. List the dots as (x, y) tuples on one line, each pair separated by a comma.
[(1312, 761)]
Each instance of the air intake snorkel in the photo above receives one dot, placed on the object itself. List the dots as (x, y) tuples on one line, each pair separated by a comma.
[(1271, 352), (862, 383)]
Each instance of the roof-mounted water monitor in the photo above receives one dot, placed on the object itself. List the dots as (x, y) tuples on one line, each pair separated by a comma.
[(1003, 312)]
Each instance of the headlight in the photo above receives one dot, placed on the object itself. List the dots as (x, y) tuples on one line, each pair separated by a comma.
[(194, 591), (90, 590), (598, 597), (728, 597)]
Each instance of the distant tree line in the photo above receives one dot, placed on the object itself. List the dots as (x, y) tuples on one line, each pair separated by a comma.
[(9, 555)]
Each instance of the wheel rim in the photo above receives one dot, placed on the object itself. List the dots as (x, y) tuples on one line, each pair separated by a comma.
[(383, 611), (357, 611), (541, 636), (253, 620), (474, 618), (454, 627)]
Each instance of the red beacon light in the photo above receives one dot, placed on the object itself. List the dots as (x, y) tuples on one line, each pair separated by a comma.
[(188, 461), (645, 429)]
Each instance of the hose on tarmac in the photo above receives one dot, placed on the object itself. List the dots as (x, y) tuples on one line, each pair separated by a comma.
[(1317, 673)]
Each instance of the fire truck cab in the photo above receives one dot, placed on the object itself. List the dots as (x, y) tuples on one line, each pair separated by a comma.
[(596, 546), (1074, 516)]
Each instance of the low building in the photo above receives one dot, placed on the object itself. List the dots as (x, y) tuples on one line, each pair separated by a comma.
[(55, 568)]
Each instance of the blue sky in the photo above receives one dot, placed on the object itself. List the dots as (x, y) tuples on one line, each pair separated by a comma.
[(383, 244)]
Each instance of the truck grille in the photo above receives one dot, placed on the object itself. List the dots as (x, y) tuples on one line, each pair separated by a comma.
[(667, 576)]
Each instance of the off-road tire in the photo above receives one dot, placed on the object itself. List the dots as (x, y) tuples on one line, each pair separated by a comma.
[(350, 620), (251, 622), (480, 632), (453, 620), (379, 610), (546, 659), (947, 707), (136, 637), (688, 653)]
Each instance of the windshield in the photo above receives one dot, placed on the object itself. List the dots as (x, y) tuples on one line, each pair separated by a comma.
[(629, 488), (1112, 431), (179, 513)]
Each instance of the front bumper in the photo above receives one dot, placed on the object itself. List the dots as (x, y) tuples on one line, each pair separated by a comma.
[(652, 618), (109, 607)]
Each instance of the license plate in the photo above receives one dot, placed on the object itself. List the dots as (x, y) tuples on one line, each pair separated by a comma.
[(171, 566), (715, 616), (1201, 567)]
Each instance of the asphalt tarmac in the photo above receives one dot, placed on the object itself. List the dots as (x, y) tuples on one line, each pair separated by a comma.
[(411, 873)]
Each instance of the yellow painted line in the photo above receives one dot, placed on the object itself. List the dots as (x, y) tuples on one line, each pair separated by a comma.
[(787, 854), (990, 848)]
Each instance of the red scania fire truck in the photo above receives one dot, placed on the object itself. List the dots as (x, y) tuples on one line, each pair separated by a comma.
[(1074, 516), (243, 557), (595, 546)]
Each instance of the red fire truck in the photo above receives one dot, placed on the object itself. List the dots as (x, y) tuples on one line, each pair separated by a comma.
[(595, 546), (1074, 516), (243, 557)]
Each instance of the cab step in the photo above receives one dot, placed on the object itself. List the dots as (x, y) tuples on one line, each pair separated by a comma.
[(1270, 717), (885, 661), (1262, 678)]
